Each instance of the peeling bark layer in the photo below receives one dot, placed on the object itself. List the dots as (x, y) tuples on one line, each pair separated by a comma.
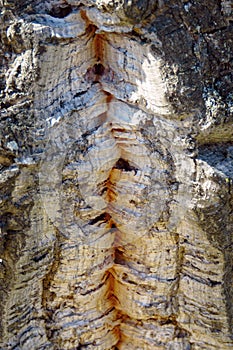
[(116, 175)]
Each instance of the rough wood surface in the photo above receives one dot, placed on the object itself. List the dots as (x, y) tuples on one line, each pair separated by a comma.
[(116, 175)]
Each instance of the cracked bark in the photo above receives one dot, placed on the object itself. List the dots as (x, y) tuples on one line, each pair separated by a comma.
[(116, 175)]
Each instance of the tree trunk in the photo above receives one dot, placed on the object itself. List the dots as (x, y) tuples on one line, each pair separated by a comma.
[(116, 175)]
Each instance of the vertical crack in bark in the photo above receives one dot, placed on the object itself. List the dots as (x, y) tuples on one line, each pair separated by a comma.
[(116, 278)]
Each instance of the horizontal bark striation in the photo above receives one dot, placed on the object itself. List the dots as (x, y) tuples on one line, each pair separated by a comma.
[(117, 226)]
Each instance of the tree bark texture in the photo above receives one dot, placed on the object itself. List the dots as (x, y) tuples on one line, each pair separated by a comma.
[(116, 175)]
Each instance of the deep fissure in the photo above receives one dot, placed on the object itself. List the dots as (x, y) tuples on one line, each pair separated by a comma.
[(122, 165), (110, 189)]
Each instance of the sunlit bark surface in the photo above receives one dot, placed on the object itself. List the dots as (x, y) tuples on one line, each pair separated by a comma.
[(116, 175)]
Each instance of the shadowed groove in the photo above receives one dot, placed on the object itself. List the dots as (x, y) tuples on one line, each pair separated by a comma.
[(122, 191)]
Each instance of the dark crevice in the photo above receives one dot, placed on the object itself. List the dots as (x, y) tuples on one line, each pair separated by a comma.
[(60, 11), (81, 93), (119, 258), (214, 30), (123, 164), (98, 69), (201, 280), (40, 257), (103, 190), (118, 129), (104, 217), (94, 289)]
